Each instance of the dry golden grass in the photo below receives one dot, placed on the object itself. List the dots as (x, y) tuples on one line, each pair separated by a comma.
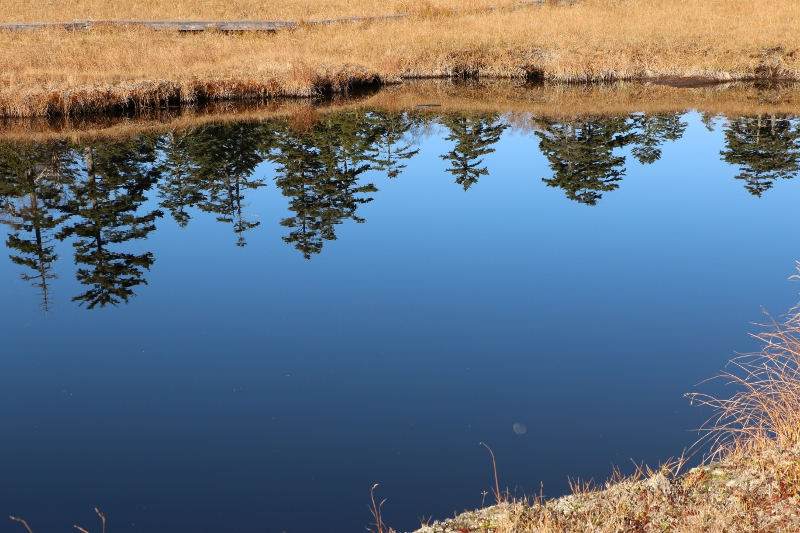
[(53, 71), (66, 10)]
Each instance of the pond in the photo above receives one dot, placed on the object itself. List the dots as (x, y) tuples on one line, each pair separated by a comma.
[(243, 326)]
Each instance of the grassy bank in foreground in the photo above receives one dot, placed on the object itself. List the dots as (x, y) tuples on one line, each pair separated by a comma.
[(753, 487), (753, 492), (53, 71)]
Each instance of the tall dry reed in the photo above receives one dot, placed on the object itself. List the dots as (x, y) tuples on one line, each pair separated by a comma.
[(764, 410)]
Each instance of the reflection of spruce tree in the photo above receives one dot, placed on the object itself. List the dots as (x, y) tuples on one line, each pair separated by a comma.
[(652, 131), (178, 188), (118, 175), (33, 178), (220, 159), (765, 149), (581, 155), (474, 134), (389, 129), (319, 171)]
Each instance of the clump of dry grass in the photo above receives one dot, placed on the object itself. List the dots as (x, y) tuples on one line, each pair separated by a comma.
[(52, 71), (764, 412)]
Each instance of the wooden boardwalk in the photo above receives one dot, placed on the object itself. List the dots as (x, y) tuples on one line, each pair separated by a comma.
[(221, 25), (187, 25)]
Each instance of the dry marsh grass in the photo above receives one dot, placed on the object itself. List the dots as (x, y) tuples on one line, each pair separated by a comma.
[(53, 71)]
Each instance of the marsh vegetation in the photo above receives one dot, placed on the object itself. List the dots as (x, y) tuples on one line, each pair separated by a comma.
[(52, 71)]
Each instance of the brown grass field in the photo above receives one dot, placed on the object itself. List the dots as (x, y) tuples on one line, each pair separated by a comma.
[(58, 72)]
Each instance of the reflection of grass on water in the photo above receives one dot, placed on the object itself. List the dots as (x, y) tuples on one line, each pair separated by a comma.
[(753, 484)]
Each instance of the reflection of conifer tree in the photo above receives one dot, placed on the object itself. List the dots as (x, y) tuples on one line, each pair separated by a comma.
[(105, 203), (581, 155), (709, 119), (474, 134), (319, 171), (220, 159), (178, 188), (390, 129), (33, 180), (765, 149), (652, 131)]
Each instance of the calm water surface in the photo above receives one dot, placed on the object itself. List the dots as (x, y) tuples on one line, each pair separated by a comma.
[(243, 327)]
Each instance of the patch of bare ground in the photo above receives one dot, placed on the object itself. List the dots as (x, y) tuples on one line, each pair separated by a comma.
[(50, 72)]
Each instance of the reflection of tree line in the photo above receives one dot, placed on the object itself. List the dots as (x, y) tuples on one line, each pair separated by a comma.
[(93, 193)]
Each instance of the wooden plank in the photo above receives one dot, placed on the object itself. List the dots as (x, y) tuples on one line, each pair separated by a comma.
[(28, 26), (228, 25)]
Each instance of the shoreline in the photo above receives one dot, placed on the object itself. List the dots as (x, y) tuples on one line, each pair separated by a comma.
[(517, 102), (751, 491), (83, 101)]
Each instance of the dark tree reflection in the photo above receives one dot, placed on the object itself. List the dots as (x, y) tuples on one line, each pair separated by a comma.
[(92, 195), (105, 203), (580, 152), (652, 130), (211, 167), (389, 130), (473, 134), (319, 169), (764, 148), (34, 181), (178, 189)]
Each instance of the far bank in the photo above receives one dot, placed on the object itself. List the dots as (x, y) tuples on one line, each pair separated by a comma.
[(55, 72)]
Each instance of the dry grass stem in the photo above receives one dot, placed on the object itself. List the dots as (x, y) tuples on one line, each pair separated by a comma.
[(765, 409), (24, 523), (497, 495), (375, 509)]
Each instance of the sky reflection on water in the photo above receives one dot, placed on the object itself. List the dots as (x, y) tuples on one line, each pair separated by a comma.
[(362, 298)]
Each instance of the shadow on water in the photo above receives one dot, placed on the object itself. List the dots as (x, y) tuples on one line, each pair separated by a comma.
[(92, 194)]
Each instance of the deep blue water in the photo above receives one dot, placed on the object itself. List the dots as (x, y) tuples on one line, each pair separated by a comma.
[(247, 388)]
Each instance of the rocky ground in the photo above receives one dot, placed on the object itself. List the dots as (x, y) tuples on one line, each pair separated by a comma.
[(754, 492)]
